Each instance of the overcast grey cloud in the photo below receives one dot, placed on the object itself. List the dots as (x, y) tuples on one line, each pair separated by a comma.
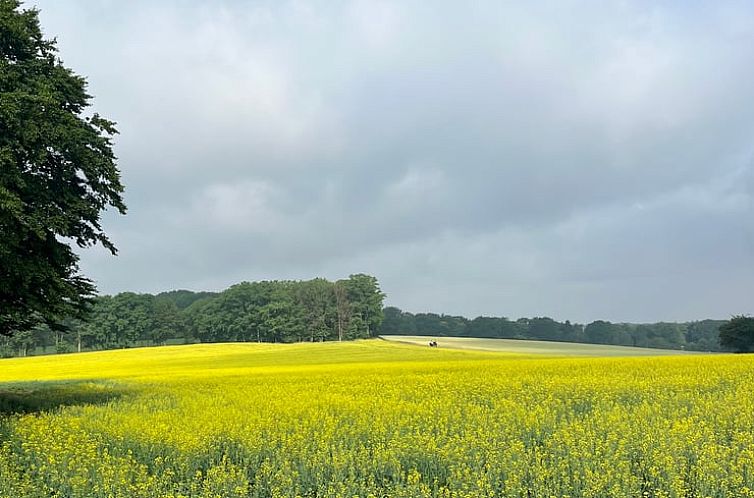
[(580, 159)]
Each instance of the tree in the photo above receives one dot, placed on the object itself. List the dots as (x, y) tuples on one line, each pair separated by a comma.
[(397, 322), (365, 297), (342, 307), (57, 175), (118, 321), (737, 334), (167, 321), (282, 321), (483, 326), (703, 335), (544, 328), (440, 325), (600, 332), (184, 298), (317, 298), (571, 332)]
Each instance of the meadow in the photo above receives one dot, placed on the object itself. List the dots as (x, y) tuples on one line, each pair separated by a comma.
[(374, 419)]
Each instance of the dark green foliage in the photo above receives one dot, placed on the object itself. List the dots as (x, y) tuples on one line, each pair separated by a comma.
[(397, 322), (258, 311), (698, 336), (703, 335), (318, 300), (57, 175), (184, 298), (167, 321), (659, 335), (569, 332), (365, 299), (317, 310), (439, 325), (737, 334), (273, 311), (600, 332), (314, 310), (544, 328), (483, 326), (118, 321)]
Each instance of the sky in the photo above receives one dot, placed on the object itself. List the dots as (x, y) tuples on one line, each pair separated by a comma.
[(574, 159)]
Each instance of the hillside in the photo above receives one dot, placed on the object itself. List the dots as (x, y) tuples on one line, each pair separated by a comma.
[(532, 347), (166, 363), (373, 418)]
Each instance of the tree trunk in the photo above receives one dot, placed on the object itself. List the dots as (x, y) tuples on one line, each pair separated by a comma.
[(342, 308)]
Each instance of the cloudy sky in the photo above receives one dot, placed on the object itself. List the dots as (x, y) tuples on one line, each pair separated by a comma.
[(579, 160)]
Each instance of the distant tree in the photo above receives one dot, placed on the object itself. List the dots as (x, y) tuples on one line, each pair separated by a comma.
[(440, 325), (317, 300), (135, 318), (484, 326), (282, 321), (167, 321), (397, 322), (652, 335), (666, 335), (392, 324), (97, 332), (118, 321), (512, 330), (235, 314), (22, 342), (365, 298), (544, 328), (571, 332), (200, 320), (600, 332), (737, 334), (433, 324), (703, 335), (184, 298), (357, 329), (57, 175), (342, 309)]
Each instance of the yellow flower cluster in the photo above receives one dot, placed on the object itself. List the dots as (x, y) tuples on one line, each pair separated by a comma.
[(376, 419)]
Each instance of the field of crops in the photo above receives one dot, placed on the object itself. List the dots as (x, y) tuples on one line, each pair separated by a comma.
[(374, 418), (533, 347)]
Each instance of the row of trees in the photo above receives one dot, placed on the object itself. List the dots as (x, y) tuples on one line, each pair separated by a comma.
[(320, 310), (698, 336), (737, 334), (273, 311)]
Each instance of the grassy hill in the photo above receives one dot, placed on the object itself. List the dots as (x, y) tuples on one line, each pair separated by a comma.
[(531, 347), (217, 360), (373, 418), (200, 360)]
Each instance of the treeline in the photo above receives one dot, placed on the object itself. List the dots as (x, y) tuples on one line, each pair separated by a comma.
[(317, 310), (271, 311), (697, 336)]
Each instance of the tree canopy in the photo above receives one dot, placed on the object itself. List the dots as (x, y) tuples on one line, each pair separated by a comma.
[(57, 175), (737, 334), (318, 310), (271, 311)]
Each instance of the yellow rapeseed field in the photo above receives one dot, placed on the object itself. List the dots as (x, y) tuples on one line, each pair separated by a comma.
[(374, 419)]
